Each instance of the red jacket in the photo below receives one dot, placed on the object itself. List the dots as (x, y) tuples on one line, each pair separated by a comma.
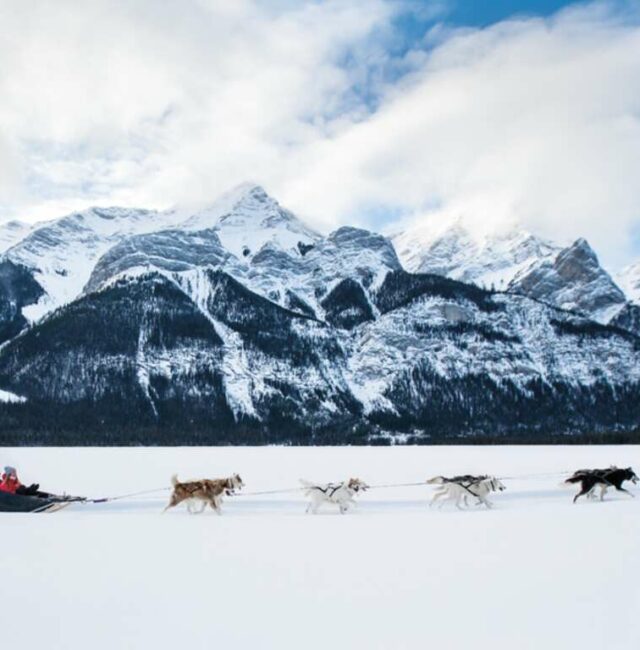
[(9, 484)]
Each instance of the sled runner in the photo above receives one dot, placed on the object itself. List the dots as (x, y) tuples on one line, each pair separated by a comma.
[(23, 503)]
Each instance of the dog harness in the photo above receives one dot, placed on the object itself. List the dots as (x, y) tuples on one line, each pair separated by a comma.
[(329, 490)]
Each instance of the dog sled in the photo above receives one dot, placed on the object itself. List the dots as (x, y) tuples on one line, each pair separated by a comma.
[(26, 503)]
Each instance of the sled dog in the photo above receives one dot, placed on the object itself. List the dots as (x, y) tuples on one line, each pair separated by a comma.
[(459, 488), (340, 494), (206, 491), (589, 479)]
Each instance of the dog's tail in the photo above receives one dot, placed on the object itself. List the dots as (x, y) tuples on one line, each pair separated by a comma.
[(307, 485), (436, 480), (574, 479), (174, 480)]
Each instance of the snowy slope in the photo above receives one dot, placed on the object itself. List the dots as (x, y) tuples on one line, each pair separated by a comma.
[(535, 572), (247, 218), (311, 274), (503, 339), (167, 251), (490, 260), (629, 281), (11, 232), (10, 398), (61, 253)]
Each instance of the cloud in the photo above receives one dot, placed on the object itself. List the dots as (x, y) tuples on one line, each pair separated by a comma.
[(535, 121), (163, 102), (144, 103)]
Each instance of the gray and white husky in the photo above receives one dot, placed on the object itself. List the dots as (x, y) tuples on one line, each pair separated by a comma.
[(460, 488)]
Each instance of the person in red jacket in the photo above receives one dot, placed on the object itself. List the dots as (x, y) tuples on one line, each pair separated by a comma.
[(9, 482)]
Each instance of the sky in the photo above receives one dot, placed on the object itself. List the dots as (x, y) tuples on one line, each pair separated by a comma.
[(379, 113)]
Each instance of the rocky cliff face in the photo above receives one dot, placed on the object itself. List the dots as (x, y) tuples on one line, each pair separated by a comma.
[(572, 280), (18, 289)]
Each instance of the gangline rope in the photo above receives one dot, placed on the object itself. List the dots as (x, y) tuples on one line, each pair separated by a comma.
[(130, 495)]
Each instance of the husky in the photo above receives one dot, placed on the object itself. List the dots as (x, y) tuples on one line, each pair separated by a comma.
[(592, 493), (206, 491), (461, 478), (340, 494), (459, 488), (589, 479)]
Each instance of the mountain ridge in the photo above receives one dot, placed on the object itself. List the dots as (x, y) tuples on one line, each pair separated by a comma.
[(178, 337)]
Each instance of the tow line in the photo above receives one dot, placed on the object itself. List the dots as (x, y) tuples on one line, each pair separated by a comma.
[(126, 496), (130, 495)]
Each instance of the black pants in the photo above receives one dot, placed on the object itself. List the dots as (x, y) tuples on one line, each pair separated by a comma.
[(31, 491)]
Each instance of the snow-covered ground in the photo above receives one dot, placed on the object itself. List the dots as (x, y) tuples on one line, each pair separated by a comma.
[(537, 572)]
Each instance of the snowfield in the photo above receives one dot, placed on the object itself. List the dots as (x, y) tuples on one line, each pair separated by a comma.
[(536, 572)]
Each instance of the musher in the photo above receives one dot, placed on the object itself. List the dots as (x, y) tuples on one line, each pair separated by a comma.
[(9, 482)]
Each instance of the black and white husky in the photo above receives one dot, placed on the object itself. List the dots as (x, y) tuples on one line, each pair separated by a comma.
[(589, 479), (341, 494), (460, 488)]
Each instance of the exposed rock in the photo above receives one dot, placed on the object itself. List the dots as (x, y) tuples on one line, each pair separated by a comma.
[(18, 289), (572, 280)]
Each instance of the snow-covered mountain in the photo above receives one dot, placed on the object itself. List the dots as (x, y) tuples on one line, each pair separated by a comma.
[(489, 260), (238, 323), (61, 253), (568, 277), (258, 243), (141, 360)]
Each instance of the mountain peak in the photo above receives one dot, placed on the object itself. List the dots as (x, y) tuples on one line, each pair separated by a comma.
[(246, 218), (572, 280), (579, 254), (254, 191), (582, 245)]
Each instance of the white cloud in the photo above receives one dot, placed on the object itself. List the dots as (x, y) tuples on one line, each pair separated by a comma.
[(532, 120), (187, 97), (150, 103)]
